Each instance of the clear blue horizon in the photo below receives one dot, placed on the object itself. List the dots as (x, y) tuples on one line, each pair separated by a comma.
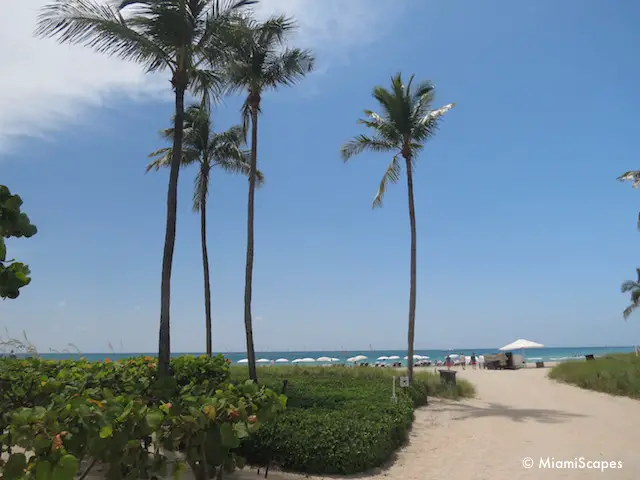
[(523, 231)]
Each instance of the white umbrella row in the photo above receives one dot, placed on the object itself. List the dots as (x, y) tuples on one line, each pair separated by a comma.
[(395, 357), (297, 360)]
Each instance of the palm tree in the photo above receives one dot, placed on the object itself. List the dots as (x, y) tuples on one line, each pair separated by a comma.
[(258, 64), (634, 288), (208, 149), (406, 122), (632, 176), (186, 37)]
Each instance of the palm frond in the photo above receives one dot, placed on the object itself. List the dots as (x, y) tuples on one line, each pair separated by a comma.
[(631, 176), (628, 286), (288, 67), (383, 126), (161, 158), (629, 310), (392, 175), (103, 28), (363, 142)]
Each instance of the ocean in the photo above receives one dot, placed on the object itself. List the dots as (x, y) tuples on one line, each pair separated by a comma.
[(545, 354)]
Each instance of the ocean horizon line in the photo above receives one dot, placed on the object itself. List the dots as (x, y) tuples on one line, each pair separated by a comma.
[(237, 352)]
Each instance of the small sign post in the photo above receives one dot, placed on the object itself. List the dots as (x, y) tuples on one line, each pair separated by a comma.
[(394, 399)]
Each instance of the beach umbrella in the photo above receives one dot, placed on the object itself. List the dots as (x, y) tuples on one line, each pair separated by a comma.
[(382, 358), (282, 360), (393, 357), (263, 360), (520, 344), (244, 360), (324, 359)]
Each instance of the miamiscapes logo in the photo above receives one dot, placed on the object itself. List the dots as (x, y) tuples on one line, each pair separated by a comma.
[(579, 463)]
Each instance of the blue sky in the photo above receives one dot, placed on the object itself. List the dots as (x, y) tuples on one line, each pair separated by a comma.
[(522, 229)]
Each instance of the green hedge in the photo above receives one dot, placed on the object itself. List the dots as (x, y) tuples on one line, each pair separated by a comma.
[(119, 415), (339, 420), (614, 374)]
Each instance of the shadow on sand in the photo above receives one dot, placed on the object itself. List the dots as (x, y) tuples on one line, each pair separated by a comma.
[(463, 411)]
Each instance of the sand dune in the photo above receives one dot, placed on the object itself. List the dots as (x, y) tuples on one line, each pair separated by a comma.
[(516, 415)]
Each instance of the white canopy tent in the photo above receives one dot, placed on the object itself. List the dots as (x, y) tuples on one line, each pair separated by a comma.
[(520, 344)]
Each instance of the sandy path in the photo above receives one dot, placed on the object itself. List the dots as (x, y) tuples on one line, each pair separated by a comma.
[(517, 414)]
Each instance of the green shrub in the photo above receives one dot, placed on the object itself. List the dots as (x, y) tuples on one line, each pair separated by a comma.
[(614, 374), (64, 412), (338, 420)]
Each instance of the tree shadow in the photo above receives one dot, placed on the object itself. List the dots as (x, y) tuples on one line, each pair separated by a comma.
[(463, 411)]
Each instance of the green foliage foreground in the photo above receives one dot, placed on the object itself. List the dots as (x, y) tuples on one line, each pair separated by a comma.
[(614, 374), (70, 415), (13, 224), (339, 420), (118, 414)]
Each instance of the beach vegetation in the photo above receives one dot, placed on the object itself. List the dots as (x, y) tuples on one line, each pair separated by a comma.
[(187, 38), (615, 374), (339, 420), (14, 223), (407, 120), (261, 61), (209, 150), (59, 419)]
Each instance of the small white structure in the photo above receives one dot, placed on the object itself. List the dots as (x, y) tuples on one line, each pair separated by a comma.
[(520, 344)]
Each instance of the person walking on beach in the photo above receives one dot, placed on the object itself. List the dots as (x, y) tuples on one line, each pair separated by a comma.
[(473, 360), (463, 361)]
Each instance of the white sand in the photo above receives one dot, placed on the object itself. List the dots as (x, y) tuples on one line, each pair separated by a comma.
[(516, 414)]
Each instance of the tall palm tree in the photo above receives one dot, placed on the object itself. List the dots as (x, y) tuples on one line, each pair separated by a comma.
[(260, 63), (208, 149), (186, 37), (632, 176), (407, 121), (634, 289)]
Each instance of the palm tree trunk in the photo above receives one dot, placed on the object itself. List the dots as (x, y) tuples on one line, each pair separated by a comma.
[(412, 288), (248, 285), (205, 269), (164, 347)]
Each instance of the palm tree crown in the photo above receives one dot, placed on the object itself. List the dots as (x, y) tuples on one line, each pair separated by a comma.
[(634, 289), (260, 63), (179, 35), (406, 121), (206, 147)]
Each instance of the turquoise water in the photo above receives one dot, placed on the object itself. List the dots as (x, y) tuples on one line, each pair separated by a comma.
[(546, 354)]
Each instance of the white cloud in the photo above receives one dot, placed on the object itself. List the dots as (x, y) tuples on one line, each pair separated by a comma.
[(45, 86)]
